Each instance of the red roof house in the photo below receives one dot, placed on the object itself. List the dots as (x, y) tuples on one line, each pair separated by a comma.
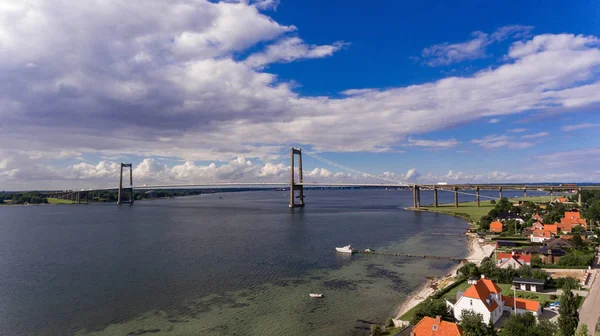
[(429, 326), (496, 227)]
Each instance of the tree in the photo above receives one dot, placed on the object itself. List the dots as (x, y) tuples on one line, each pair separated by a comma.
[(592, 211), (493, 202), (577, 241), (472, 324), (433, 308), (582, 331), (469, 270), (546, 328), (519, 325), (536, 261), (568, 318)]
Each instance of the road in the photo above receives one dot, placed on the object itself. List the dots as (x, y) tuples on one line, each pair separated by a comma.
[(590, 310)]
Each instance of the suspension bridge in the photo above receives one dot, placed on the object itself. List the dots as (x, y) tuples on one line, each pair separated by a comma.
[(296, 185)]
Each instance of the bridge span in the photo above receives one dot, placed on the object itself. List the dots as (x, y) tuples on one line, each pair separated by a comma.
[(296, 186)]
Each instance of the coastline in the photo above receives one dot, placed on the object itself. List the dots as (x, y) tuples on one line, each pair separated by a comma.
[(477, 251)]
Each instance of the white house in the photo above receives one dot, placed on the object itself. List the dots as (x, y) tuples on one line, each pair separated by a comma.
[(539, 236), (485, 298)]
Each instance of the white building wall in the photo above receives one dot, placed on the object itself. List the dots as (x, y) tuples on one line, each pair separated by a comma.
[(464, 303)]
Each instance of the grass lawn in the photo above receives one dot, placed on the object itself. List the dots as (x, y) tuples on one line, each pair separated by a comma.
[(59, 201), (471, 212)]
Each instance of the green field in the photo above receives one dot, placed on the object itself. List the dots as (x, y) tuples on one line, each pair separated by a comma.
[(60, 201), (471, 212)]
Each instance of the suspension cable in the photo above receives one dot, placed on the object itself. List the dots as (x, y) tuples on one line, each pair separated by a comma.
[(348, 169)]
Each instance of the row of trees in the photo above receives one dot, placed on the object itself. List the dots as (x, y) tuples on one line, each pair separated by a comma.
[(500, 275), (32, 197)]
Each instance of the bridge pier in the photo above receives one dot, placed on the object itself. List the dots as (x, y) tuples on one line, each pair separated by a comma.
[(78, 198), (455, 196), (500, 190), (551, 194), (435, 197), (477, 195), (579, 197), (121, 189), (525, 192), (418, 196), (293, 185)]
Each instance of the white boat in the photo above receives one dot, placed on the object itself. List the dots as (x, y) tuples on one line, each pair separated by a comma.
[(345, 249), (313, 295)]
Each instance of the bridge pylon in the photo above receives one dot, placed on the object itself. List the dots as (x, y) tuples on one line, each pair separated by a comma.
[(293, 185), (130, 188)]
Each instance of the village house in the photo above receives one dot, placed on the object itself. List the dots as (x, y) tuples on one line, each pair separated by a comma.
[(505, 216), (513, 260), (552, 228), (561, 200), (429, 326), (496, 227), (539, 236), (531, 285), (537, 218), (485, 298), (570, 220)]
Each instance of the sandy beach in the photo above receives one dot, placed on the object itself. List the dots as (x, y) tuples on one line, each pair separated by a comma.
[(477, 251)]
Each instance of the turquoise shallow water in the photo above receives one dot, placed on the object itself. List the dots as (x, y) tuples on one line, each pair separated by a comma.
[(242, 264)]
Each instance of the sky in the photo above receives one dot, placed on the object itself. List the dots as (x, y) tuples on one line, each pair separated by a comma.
[(193, 91)]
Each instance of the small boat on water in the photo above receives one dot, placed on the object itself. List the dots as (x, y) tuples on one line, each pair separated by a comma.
[(345, 249), (314, 295)]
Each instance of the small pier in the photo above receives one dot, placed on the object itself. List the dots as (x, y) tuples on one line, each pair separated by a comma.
[(410, 255), (447, 234)]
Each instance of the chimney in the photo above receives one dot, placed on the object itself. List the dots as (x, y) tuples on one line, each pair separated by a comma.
[(513, 252), (412, 333), (438, 319), (483, 276)]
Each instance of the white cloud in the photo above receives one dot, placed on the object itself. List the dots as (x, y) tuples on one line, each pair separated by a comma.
[(436, 144), (291, 49), (494, 121), (165, 80), (497, 141), (448, 53), (517, 130), (535, 135), (571, 128)]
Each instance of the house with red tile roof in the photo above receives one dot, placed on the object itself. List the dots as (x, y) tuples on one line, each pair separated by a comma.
[(570, 220), (552, 228), (485, 297), (561, 200), (539, 236), (514, 260), (538, 226), (429, 326), (496, 227), (537, 218), (522, 305)]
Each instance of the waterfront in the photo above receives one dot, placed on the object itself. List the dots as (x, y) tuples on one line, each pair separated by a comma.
[(243, 264)]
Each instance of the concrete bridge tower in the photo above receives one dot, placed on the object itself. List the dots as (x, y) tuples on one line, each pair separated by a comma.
[(293, 185), (129, 189)]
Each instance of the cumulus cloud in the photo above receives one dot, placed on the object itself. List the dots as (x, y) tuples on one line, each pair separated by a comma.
[(494, 121), (165, 80), (448, 53)]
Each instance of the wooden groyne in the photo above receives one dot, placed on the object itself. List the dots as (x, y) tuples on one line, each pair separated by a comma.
[(410, 255)]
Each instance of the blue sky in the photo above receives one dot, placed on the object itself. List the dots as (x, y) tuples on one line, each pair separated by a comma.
[(193, 91)]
